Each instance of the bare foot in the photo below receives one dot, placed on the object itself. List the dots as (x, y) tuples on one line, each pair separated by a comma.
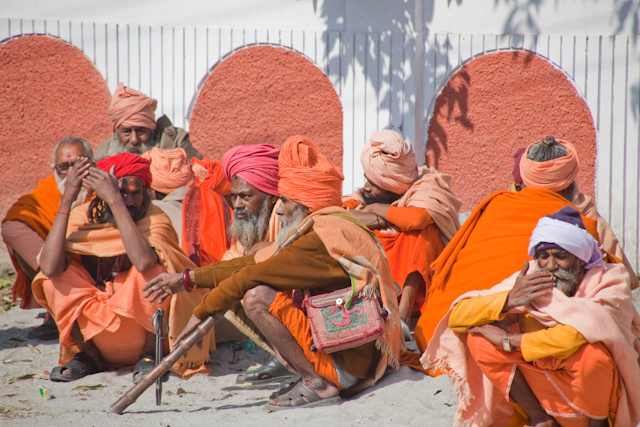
[(322, 387)]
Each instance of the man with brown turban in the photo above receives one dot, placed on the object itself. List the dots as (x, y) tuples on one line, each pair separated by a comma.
[(94, 263), (413, 212), (136, 129), (338, 254)]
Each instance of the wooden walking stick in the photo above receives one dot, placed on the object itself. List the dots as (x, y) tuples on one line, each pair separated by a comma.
[(189, 341)]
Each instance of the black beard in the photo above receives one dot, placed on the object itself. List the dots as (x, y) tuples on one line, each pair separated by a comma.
[(100, 212), (387, 199)]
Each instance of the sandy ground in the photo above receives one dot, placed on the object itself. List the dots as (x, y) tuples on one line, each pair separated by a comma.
[(404, 398)]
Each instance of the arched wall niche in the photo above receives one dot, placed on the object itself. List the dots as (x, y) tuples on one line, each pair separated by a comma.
[(264, 94), (500, 102)]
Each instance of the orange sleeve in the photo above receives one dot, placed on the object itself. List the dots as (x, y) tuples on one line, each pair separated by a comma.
[(409, 218), (350, 204)]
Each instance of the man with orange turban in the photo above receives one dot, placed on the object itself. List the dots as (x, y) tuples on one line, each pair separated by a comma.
[(535, 177), (136, 129), (493, 241), (413, 212), (94, 263), (338, 254), (29, 220)]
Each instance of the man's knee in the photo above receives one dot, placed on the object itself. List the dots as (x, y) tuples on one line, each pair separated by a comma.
[(258, 299)]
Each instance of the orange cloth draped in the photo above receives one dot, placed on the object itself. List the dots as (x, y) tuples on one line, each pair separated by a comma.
[(116, 319), (209, 174), (490, 245), (38, 210), (297, 323), (407, 218), (554, 175), (411, 251), (206, 216), (307, 176), (584, 383)]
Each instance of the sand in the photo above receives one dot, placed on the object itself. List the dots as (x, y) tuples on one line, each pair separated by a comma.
[(406, 397)]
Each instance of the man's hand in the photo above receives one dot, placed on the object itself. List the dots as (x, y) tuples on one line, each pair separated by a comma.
[(492, 333), (164, 286), (104, 184), (529, 287), (379, 209), (369, 219), (191, 326), (77, 173)]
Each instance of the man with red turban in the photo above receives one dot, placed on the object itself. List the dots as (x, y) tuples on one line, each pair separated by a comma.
[(136, 129), (564, 169), (94, 263), (413, 212), (338, 254), (493, 241)]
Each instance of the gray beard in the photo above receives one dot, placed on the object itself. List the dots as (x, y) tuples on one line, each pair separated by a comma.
[(567, 281), (83, 195), (253, 229), (119, 148), (288, 228)]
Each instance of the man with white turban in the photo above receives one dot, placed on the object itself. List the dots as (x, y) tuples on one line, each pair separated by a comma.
[(136, 129), (413, 212), (554, 344)]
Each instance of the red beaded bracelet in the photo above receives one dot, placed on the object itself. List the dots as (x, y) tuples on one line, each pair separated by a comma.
[(187, 286)]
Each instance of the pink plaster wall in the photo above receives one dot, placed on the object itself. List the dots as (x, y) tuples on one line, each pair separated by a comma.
[(48, 90), (497, 104), (265, 94)]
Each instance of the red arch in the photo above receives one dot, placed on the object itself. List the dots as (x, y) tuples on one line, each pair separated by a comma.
[(497, 104), (265, 94), (48, 90)]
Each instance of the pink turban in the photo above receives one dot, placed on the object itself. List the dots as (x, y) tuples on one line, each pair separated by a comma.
[(554, 175), (307, 177), (256, 164), (170, 169), (389, 162), (132, 108), (127, 164)]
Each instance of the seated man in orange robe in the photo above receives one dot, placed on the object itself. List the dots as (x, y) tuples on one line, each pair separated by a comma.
[(492, 242), (95, 261), (29, 220), (336, 253), (585, 204), (413, 212), (554, 344)]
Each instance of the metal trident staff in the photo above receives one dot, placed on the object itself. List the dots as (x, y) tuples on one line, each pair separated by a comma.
[(161, 325)]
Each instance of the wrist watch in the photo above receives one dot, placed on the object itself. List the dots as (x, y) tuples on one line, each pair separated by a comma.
[(506, 344)]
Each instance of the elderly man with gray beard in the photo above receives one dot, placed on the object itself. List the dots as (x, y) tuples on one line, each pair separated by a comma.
[(29, 220), (555, 344), (136, 129)]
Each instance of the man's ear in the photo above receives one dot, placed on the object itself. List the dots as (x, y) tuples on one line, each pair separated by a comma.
[(272, 200)]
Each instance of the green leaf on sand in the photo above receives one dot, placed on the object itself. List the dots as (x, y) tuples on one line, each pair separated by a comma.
[(89, 387)]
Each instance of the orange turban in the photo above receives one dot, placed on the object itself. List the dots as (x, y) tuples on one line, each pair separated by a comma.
[(132, 108), (306, 176), (554, 175), (170, 169), (209, 175), (389, 162)]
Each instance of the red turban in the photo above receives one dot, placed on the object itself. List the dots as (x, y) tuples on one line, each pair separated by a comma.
[(307, 177), (256, 164), (389, 162), (209, 175), (170, 169), (132, 108), (127, 164), (554, 175)]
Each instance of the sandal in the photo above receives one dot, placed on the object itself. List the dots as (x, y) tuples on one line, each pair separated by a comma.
[(145, 364), (285, 386), (81, 361), (301, 396), (272, 372)]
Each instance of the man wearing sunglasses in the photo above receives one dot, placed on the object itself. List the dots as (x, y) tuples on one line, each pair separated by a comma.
[(29, 220)]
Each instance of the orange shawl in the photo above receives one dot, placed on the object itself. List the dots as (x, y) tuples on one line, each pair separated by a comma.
[(38, 210), (490, 245)]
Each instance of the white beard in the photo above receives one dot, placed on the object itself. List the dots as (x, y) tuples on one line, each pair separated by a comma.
[(129, 148), (83, 195), (288, 228)]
